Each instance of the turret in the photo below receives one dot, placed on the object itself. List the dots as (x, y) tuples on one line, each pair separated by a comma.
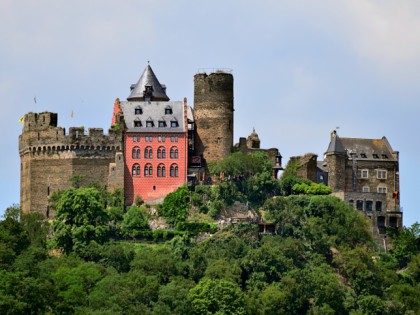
[(336, 163)]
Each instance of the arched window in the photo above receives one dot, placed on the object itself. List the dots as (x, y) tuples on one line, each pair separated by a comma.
[(161, 153), (174, 170), (136, 153), (148, 170), (161, 171), (136, 170), (148, 153), (174, 153)]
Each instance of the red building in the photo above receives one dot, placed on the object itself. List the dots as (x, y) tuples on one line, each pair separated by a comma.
[(155, 141)]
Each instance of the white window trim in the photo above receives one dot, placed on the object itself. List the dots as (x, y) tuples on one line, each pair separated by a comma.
[(366, 189), (362, 171), (381, 171), (382, 187)]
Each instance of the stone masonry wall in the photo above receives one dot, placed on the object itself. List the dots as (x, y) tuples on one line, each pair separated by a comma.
[(213, 112), (50, 158)]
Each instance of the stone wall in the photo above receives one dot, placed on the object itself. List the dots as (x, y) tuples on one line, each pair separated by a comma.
[(50, 158), (213, 113)]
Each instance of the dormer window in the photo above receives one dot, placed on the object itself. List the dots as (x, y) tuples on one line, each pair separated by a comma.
[(384, 156), (137, 123), (168, 110), (363, 155), (138, 111), (162, 123), (174, 123), (149, 123), (375, 156)]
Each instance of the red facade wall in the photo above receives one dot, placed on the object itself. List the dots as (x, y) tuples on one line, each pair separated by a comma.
[(147, 186)]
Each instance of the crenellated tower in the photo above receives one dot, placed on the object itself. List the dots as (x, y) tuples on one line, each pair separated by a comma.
[(50, 158)]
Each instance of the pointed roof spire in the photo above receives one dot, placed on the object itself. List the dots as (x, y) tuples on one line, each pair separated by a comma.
[(148, 87), (335, 144)]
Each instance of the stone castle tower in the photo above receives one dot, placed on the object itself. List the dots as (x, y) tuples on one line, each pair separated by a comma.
[(336, 157), (50, 157), (213, 115)]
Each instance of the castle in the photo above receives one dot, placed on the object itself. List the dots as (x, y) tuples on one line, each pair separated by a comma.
[(154, 145)]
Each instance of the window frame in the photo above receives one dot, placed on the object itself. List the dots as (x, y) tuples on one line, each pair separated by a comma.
[(381, 174), (364, 173)]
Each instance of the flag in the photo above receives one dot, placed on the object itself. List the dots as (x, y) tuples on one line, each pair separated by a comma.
[(35, 99), (22, 119)]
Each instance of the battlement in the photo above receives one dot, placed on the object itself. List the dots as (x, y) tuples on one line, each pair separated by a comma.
[(41, 134)]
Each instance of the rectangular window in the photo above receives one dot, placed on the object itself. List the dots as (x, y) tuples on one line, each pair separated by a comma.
[(149, 123), (378, 206), (137, 123), (159, 139), (359, 204), (364, 173), (365, 189), (381, 174), (162, 124), (174, 124), (382, 189), (369, 205)]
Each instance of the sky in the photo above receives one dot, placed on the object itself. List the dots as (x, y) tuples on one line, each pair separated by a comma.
[(301, 69)]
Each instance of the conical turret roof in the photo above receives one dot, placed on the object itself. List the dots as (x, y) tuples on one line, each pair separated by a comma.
[(335, 144), (148, 86)]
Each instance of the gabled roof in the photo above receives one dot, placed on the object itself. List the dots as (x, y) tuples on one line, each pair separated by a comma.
[(377, 149), (148, 78), (335, 145)]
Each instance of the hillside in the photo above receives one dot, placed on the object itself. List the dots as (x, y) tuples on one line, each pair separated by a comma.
[(98, 257)]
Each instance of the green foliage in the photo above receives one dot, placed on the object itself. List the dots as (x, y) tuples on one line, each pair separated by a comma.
[(406, 243), (176, 205), (134, 220), (195, 228), (216, 297), (12, 212), (80, 219), (311, 189)]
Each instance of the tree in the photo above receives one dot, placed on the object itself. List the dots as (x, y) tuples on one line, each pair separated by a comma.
[(80, 219), (176, 205), (12, 212), (216, 297), (134, 220)]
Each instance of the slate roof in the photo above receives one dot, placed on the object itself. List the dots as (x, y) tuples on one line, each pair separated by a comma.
[(364, 149), (335, 144), (369, 149), (148, 78), (155, 112)]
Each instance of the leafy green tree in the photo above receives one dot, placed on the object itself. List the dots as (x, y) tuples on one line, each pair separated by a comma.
[(173, 297), (12, 212), (406, 243), (74, 283), (176, 205), (216, 297), (80, 219), (134, 220), (13, 240)]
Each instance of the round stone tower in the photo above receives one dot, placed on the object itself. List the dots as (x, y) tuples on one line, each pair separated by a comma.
[(213, 115)]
